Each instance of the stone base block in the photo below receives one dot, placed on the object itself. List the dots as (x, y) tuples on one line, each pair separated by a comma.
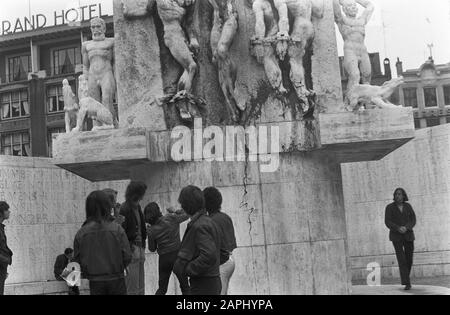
[(366, 136)]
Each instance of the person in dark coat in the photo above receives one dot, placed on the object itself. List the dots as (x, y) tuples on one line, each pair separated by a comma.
[(102, 249), (199, 255), (213, 199), (5, 253), (400, 219), (61, 263), (163, 234), (136, 231)]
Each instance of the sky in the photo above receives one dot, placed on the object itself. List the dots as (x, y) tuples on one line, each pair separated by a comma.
[(399, 28)]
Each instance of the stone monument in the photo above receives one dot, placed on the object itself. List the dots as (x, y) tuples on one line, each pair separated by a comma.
[(353, 29), (101, 116), (70, 106), (98, 66), (357, 63), (290, 219)]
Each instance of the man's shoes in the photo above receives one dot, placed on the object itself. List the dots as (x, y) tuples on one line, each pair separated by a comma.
[(408, 287)]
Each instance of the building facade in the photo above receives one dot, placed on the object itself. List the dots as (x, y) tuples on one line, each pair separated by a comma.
[(427, 91), (33, 65)]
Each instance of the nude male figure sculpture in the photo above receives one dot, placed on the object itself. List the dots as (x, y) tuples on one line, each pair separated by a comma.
[(352, 27), (98, 66), (181, 42), (266, 29), (174, 14), (70, 106), (225, 27), (293, 42)]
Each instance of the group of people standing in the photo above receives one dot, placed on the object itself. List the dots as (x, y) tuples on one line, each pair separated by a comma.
[(110, 246)]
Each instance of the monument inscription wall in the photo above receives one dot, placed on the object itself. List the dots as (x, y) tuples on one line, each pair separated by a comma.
[(47, 209)]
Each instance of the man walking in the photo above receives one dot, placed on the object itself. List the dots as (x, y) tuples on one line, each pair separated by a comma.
[(401, 220), (5, 253), (135, 229), (213, 199), (199, 256)]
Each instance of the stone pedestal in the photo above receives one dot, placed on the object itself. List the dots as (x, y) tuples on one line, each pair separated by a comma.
[(290, 224), (138, 72)]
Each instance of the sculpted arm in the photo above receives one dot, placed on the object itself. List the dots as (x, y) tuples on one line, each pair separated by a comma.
[(338, 12), (369, 9)]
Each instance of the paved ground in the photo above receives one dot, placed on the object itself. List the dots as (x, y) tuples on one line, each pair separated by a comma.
[(423, 286), (398, 290), (443, 281)]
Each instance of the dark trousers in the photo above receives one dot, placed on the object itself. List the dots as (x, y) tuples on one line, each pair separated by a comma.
[(113, 287), (206, 286), (405, 254), (3, 273), (166, 263), (74, 291)]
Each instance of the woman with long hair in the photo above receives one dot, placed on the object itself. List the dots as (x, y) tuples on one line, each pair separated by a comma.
[(102, 249)]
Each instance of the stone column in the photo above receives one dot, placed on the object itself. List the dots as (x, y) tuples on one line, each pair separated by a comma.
[(325, 62), (290, 224), (138, 72)]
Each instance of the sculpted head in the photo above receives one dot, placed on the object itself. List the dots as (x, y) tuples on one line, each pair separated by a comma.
[(350, 7), (98, 29), (67, 90)]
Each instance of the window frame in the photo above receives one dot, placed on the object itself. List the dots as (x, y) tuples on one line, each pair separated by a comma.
[(10, 93), (12, 144), (405, 89), (18, 55), (443, 90), (425, 97), (53, 51)]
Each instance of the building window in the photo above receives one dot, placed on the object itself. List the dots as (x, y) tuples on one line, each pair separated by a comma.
[(447, 94), (51, 134), (430, 97), (15, 104), (410, 97), (16, 144), (65, 60), (55, 97), (19, 67)]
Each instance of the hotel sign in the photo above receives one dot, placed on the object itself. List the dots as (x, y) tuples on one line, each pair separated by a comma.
[(72, 16)]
